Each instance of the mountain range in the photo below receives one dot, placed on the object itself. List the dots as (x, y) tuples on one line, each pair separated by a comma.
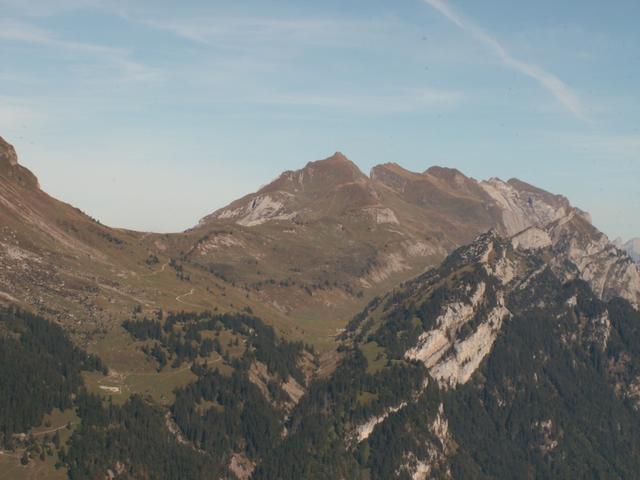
[(322, 239), (330, 325), (511, 367)]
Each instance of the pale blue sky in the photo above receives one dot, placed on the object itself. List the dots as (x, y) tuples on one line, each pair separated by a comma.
[(151, 114)]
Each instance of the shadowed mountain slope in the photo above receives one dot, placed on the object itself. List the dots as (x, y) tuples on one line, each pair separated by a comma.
[(498, 364)]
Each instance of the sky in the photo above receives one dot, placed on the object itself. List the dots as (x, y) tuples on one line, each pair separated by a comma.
[(151, 114)]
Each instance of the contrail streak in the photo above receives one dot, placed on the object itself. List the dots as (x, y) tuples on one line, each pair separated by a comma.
[(560, 90)]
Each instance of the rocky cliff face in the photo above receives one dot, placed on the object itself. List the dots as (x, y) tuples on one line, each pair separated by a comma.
[(508, 330), (500, 362), (523, 206), (609, 270), (8, 157)]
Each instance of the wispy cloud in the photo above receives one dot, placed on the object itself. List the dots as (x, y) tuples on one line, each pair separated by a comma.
[(559, 89), (44, 8), (120, 59), (257, 33)]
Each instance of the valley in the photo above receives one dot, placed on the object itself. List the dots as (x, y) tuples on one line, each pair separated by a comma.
[(306, 329)]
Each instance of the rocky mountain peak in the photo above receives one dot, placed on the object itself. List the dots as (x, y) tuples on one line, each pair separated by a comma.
[(338, 157), (317, 175), (334, 182), (333, 170), (9, 166), (8, 156), (535, 193), (444, 172), (609, 271)]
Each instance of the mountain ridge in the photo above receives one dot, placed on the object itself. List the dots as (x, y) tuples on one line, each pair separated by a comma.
[(322, 238), (442, 310)]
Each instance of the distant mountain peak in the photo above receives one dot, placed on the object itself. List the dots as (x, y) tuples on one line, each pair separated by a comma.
[(338, 156), (334, 183), (337, 167)]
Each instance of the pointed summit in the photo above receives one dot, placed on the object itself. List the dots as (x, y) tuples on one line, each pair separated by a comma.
[(335, 169), (338, 157), (318, 176), (334, 184)]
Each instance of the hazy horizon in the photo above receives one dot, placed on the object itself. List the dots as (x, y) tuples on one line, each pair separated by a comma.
[(151, 116)]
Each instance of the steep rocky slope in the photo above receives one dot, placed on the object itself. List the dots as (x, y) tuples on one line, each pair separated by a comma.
[(500, 363), (609, 271), (47, 248)]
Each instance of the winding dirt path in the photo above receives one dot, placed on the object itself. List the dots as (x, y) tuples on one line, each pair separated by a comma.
[(52, 430), (162, 269), (189, 293)]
